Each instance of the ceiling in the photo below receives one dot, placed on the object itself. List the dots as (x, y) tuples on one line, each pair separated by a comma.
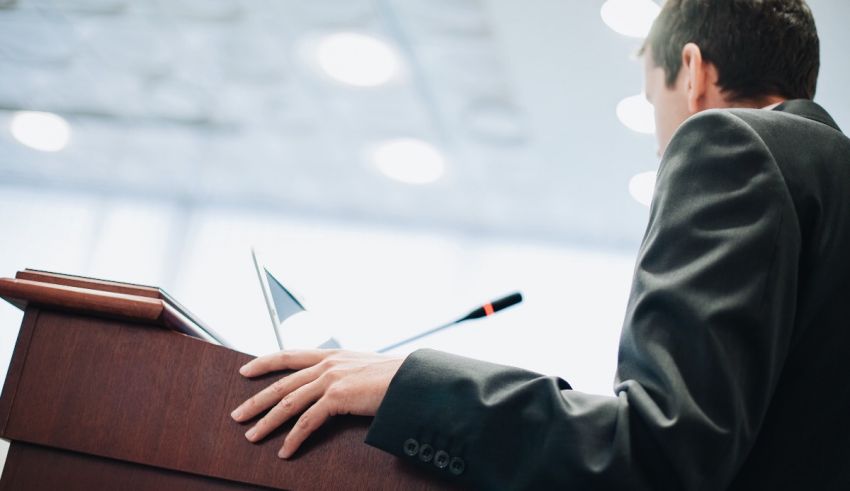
[(216, 102)]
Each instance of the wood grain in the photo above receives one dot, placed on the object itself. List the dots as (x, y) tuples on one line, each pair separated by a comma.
[(16, 366), (103, 298), (89, 283), (37, 468), (124, 391), (81, 299)]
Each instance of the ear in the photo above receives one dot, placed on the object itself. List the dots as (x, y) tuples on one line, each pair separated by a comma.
[(696, 77)]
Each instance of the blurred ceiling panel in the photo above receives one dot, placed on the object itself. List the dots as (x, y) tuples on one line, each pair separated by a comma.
[(223, 103)]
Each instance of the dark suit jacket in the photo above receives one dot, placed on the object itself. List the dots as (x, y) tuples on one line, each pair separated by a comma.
[(735, 348)]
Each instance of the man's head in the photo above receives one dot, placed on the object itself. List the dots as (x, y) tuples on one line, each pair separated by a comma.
[(704, 54)]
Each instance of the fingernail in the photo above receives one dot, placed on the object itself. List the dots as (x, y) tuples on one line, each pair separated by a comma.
[(250, 433), (283, 454), (244, 370), (236, 414)]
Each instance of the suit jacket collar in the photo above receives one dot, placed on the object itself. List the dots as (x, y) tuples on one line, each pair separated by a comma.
[(807, 109)]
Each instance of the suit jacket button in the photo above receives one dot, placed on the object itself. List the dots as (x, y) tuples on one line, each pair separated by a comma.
[(411, 447), (441, 459), (457, 466), (426, 453)]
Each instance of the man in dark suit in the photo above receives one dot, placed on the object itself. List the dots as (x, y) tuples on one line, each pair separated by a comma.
[(733, 353)]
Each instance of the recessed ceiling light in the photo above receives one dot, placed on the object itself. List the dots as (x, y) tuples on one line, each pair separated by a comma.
[(642, 186), (409, 160), (47, 132), (357, 59), (637, 114), (630, 17)]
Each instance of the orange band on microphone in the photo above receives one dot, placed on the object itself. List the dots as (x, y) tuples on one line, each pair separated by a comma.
[(488, 309)]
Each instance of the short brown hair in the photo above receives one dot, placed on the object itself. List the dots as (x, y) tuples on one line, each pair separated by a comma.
[(760, 47)]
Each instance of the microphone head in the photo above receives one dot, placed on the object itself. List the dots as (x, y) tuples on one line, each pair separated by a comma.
[(494, 306), (505, 302)]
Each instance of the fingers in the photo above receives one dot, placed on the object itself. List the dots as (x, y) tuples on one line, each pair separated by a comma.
[(309, 422), (326, 383), (289, 406), (274, 393), (284, 360)]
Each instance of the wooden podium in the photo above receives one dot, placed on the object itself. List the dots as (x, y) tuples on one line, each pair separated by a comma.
[(116, 386)]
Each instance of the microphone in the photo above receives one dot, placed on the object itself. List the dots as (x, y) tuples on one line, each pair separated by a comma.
[(485, 310), (493, 307)]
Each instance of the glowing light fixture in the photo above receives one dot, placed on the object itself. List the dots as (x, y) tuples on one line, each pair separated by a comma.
[(47, 132), (357, 59), (409, 160), (642, 187), (637, 114), (630, 17)]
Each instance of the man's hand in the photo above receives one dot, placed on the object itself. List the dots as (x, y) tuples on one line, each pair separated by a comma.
[(326, 383)]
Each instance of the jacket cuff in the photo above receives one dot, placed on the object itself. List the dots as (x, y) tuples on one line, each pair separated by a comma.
[(397, 416), (430, 414), (403, 425)]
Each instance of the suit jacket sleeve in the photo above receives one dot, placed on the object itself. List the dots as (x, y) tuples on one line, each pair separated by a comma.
[(707, 328)]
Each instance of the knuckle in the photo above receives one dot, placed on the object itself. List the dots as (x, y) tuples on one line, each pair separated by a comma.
[(305, 422), (324, 379), (335, 392), (331, 376), (278, 388), (287, 404)]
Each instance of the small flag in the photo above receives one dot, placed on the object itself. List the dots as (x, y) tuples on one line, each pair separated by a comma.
[(285, 302)]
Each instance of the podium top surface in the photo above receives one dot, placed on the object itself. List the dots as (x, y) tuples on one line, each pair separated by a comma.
[(104, 298)]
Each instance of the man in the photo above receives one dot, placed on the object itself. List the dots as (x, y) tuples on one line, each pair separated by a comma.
[(731, 364)]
